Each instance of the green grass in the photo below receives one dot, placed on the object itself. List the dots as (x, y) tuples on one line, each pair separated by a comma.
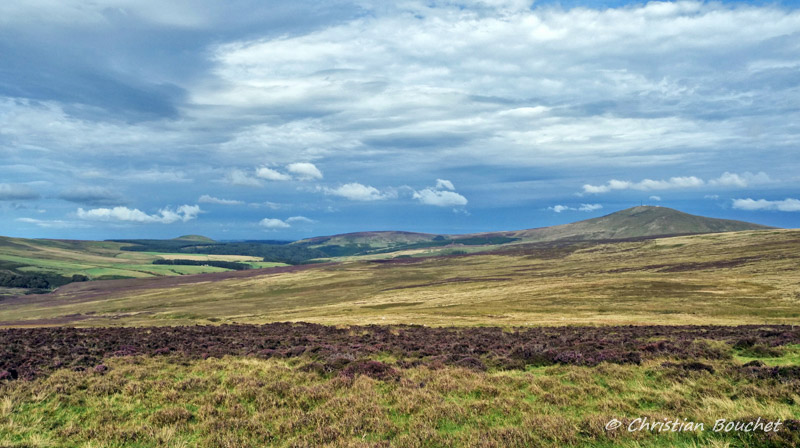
[(788, 355), (164, 401)]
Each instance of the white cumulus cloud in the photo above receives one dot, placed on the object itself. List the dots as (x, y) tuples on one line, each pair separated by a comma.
[(646, 184), (442, 195), (270, 174), (357, 192), (442, 184), (303, 219), (786, 205), (582, 208), (183, 213), (206, 199), (727, 179), (304, 170), (273, 223), (440, 198), (740, 180), (589, 207)]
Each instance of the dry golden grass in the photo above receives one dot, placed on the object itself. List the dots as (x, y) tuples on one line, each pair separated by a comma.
[(731, 278)]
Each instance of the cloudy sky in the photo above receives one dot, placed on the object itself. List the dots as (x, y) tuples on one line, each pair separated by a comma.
[(284, 119)]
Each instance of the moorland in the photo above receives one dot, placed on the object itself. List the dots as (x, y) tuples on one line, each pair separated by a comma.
[(528, 338)]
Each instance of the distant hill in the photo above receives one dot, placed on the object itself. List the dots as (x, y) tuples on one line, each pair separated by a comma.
[(376, 239), (195, 238), (635, 222)]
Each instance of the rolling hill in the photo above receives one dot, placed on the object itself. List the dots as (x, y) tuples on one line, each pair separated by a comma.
[(44, 264), (635, 222)]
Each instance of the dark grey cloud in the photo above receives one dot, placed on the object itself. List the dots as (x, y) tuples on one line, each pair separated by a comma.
[(134, 59), (17, 192), (95, 196)]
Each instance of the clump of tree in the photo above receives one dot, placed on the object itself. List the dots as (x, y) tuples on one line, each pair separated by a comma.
[(38, 281), (345, 251), (481, 241)]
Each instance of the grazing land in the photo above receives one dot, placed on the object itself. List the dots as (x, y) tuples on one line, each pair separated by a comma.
[(46, 264)]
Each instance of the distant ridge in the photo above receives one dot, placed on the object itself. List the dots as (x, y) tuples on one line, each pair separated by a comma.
[(635, 222)]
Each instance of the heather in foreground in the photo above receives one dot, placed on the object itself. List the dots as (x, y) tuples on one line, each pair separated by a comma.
[(309, 385)]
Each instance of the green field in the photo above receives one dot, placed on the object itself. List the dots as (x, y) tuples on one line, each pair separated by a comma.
[(101, 259)]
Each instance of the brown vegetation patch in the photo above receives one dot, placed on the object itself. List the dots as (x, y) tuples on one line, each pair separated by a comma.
[(34, 351)]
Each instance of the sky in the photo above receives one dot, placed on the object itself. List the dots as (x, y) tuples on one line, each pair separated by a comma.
[(253, 119)]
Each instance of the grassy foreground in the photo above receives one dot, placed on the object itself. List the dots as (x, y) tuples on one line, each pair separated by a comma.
[(311, 385), (238, 402)]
